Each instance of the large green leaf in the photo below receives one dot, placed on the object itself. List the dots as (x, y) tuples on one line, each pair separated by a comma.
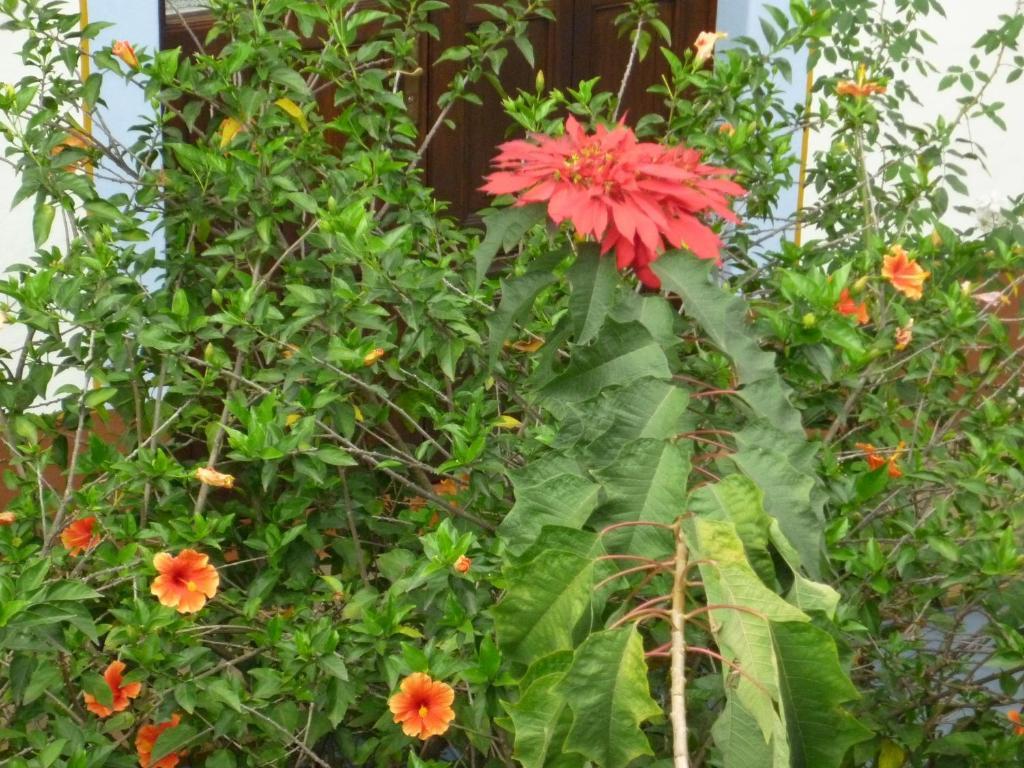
[(594, 279), (738, 500), (601, 427), (505, 228), (541, 719), (740, 741), (549, 591), (621, 354), (723, 316), (550, 491), (609, 696), (517, 297), (813, 688), (789, 492), (645, 483), (743, 635), (805, 594)]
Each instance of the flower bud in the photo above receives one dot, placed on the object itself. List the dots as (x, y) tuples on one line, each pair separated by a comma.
[(809, 320)]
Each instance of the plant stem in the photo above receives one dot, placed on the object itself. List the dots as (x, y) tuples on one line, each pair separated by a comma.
[(680, 752), (633, 51)]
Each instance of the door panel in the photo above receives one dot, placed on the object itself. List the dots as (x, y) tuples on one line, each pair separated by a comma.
[(582, 44), (459, 157)]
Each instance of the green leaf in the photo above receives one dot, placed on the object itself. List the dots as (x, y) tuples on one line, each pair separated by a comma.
[(593, 278), (172, 740), (645, 483), (621, 355), (813, 688), (517, 297), (335, 456), (74, 591), (648, 408), (549, 592), (790, 492), (97, 687), (42, 223), (222, 691), (740, 741), (738, 500), (805, 594), (541, 718), (99, 396), (744, 635), (607, 691), (547, 492), (505, 228), (723, 315), (290, 79)]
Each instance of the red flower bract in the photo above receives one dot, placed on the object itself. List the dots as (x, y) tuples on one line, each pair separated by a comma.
[(637, 198)]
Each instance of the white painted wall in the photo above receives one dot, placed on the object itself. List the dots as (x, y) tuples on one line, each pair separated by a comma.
[(136, 21), (1002, 174), (16, 225)]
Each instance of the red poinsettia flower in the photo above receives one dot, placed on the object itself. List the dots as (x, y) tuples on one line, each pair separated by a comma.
[(146, 739), (185, 581), (847, 306), (905, 274), (423, 707), (1015, 718), (636, 198), (114, 675), (79, 536)]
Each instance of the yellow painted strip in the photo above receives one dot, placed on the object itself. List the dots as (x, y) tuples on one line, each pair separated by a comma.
[(85, 66), (804, 152)]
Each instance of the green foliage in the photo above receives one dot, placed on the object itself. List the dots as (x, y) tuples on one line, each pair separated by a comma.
[(650, 487)]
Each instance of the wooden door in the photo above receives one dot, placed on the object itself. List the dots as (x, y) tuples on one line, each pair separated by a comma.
[(583, 43)]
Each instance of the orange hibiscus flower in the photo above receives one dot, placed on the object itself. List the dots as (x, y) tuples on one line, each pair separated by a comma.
[(114, 675), (876, 460), (860, 88), (124, 51), (79, 536), (7, 518), (705, 45), (185, 581), (463, 564), (423, 707), (871, 455), (1015, 718), (847, 306), (146, 739), (905, 274)]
